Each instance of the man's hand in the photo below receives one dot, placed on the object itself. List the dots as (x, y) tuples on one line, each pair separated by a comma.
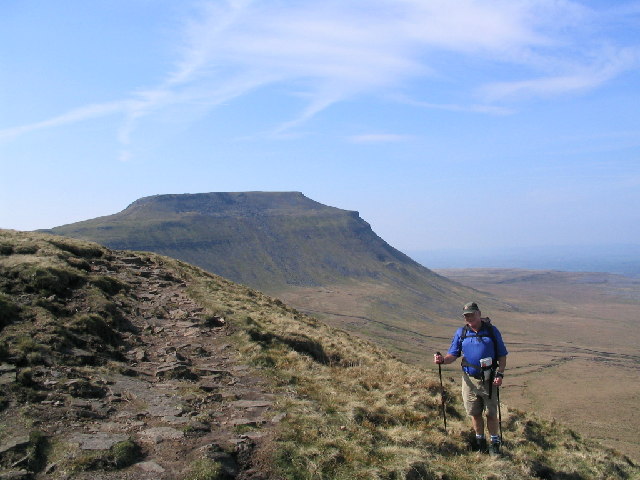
[(497, 381), (438, 358)]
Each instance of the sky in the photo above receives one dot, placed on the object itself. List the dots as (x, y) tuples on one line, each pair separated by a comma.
[(445, 124)]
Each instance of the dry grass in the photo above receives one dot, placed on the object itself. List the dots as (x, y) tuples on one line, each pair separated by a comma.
[(571, 337), (356, 411)]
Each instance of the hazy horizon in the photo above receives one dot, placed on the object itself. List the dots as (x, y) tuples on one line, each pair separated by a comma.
[(623, 259)]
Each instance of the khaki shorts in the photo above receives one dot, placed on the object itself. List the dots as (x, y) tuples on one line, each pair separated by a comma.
[(475, 396)]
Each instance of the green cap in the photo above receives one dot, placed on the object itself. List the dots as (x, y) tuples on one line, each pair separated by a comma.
[(470, 307)]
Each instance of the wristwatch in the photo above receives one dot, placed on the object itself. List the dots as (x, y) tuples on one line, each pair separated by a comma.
[(499, 374)]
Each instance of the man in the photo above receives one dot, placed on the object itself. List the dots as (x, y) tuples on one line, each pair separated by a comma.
[(479, 340)]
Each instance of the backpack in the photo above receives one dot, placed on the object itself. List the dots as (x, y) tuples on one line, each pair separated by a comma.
[(485, 331)]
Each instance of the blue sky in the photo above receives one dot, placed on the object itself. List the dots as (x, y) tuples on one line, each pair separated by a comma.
[(445, 124)]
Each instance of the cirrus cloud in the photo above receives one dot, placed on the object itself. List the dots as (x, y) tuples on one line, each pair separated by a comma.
[(332, 51)]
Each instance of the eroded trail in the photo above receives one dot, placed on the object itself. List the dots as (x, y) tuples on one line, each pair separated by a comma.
[(189, 394), (178, 391)]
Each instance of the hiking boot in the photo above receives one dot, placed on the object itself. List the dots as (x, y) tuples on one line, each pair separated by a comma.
[(495, 450), (480, 445)]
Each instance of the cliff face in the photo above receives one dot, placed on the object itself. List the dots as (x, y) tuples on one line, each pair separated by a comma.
[(256, 238)]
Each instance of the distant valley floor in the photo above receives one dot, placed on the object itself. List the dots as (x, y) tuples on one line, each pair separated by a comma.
[(572, 339)]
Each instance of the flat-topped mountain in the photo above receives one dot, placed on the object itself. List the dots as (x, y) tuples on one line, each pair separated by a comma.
[(262, 239)]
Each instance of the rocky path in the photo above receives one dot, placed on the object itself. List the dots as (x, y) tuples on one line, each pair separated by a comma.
[(189, 392), (181, 395)]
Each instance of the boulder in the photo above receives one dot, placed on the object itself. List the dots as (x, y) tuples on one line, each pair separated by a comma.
[(98, 440)]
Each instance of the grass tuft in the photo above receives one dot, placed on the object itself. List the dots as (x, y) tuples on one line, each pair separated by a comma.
[(9, 311), (119, 456), (109, 285), (124, 454), (78, 248), (205, 469), (95, 326)]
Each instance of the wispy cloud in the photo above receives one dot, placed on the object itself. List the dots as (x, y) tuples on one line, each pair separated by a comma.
[(77, 115), (336, 50), (577, 79), (379, 138), (480, 108)]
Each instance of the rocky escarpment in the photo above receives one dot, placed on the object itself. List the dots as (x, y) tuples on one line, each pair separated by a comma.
[(111, 370)]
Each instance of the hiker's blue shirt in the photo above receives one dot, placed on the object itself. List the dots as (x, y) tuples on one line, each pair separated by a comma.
[(476, 346)]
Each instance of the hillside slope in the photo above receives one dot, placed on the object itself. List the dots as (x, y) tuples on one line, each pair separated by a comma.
[(119, 365)]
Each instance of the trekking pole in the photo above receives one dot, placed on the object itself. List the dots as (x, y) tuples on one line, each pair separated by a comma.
[(499, 414), (444, 412)]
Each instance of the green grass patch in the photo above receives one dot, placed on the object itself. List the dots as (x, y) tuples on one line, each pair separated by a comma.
[(47, 280), (93, 325), (205, 469), (121, 455), (109, 285), (79, 248), (9, 311)]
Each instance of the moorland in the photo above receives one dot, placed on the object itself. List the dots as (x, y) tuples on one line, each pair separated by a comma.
[(130, 365)]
